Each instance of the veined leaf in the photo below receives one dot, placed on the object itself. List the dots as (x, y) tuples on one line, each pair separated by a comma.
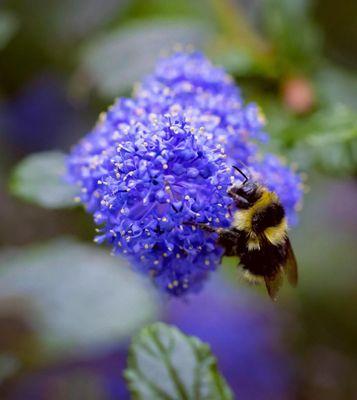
[(165, 364)]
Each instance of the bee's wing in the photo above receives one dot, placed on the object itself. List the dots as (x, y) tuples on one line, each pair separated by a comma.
[(273, 284), (290, 266)]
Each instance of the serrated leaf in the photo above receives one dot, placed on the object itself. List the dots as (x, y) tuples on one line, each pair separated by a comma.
[(117, 60), (39, 179), (165, 364), (78, 298)]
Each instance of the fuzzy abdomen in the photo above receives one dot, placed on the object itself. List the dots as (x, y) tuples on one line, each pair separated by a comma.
[(265, 261)]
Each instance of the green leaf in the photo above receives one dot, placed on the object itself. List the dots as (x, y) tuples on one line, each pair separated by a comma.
[(39, 179), (69, 19), (336, 85), (326, 139), (78, 297), (8, 26), (117, 60), (289, 26), (166, 364), (331, 142)]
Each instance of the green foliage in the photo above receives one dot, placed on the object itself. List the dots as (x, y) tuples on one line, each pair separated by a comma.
[(115, 61), (39, 179), (292, 32), (326, 139), (336, 85), (166, 364), (77, 297), (331, 141), (8, 26)]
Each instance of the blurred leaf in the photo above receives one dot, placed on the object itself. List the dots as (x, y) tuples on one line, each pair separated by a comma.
[(117, 60), (166, 364), (326, 139), (9, 365), (235, 61), (170, 9), (290, 28), (79, 297), (240, 48), (39, 179), (73, 19), (8, 26), (336, 85)]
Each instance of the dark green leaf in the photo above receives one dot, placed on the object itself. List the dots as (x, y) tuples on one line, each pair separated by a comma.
[(117, 60), (166, 364), (39, 179), (78, 297)]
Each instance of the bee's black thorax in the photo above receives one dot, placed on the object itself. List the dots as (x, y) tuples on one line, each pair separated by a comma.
[(269, 216)]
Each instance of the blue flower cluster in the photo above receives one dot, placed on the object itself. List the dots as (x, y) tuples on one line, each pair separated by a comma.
[(209, 99), (162, 159)]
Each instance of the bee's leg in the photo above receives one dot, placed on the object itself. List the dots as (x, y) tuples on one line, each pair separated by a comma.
[(229, 239), (232, 240), (204, 227)]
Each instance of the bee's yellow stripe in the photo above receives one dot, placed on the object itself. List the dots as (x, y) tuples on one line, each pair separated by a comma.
[(243, 218), (277, 234)]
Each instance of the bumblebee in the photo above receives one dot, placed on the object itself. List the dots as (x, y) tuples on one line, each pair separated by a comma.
[(258, 236)]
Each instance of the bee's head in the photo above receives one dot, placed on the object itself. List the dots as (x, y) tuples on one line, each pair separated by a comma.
[(249, 191), (246, 193)]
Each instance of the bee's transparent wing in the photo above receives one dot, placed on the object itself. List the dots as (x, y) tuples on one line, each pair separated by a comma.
[(290, 266), (273, 284)]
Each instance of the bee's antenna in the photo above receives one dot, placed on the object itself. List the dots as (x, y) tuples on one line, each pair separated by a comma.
[(242, 173)]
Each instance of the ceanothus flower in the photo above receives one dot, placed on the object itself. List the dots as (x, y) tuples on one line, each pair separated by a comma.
[(144, 179), (209, 99), (157, 163), (189, 83)]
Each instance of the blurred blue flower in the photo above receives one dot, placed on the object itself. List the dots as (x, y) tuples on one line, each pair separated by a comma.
[(143, 180), (41, 116), (245, 334), (99, 377), (164, 158)]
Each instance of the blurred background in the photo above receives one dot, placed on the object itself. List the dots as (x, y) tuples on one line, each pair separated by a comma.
[(68, 309)]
